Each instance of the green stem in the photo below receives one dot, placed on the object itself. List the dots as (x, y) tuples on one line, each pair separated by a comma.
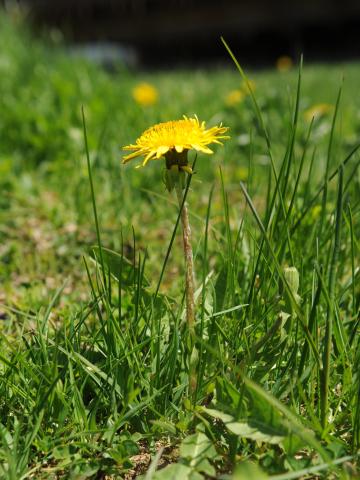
[(326, 372), (189, 284)]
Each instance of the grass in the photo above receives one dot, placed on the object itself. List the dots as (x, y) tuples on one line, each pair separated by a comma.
[(93, 363)]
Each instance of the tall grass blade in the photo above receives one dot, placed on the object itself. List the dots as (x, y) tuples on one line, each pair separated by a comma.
[(92, 191), (329, 318)]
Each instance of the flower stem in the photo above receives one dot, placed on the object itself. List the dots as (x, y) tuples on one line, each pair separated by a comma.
[(189, 286)]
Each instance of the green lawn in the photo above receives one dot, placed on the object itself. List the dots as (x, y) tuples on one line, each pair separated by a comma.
[(94, 347)]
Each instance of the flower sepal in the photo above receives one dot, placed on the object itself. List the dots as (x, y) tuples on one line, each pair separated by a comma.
[(174, 177), (187, 169)]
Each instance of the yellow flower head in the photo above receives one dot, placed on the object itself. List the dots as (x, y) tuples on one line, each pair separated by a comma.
[(173, 139), (145, 94), (284, 63), (318, 110), (234, 97)]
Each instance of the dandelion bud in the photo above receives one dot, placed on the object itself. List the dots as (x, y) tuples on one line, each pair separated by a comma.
[(291, 275)]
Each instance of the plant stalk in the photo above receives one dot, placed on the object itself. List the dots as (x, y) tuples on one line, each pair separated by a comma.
[(189, 284), (326, 372)]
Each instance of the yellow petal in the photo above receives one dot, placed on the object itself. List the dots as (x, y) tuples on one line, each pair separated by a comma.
[(130, 147), (161, 151), (129, 157), (202, 148), (148, 157)]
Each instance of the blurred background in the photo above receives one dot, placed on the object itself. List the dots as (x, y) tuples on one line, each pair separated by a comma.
[(163, 59), (166, 33)]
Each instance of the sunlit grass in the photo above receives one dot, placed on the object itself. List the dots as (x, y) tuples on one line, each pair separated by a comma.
[(94, 368)]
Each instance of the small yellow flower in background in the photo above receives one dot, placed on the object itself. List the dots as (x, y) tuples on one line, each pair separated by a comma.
[(145, 94), (233, 175), (234, 97), (315, 212), (317, 111), (173, 139), (284, 63), (242, 173)]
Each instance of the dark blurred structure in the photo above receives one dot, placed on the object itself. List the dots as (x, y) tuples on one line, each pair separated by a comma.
[(168, 32)]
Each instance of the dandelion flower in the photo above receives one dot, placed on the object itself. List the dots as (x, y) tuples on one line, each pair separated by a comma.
[(173, 139), (284, 63), (145, 94), (234, 97), (315, 212), (242, 173), (318, 110)]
